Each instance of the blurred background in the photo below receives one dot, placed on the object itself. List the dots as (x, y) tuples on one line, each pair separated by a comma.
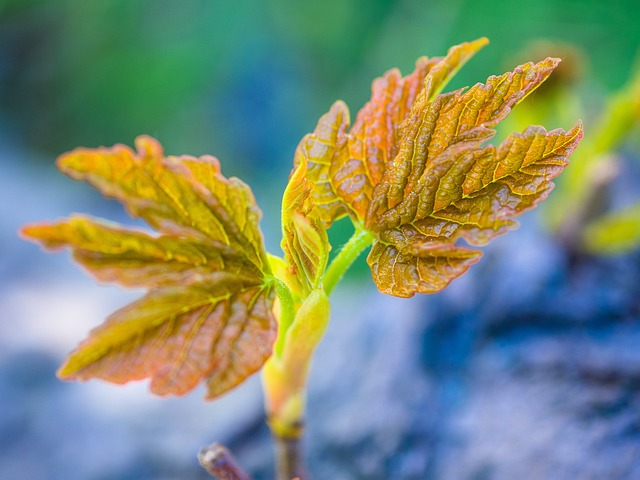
[(528, 367)]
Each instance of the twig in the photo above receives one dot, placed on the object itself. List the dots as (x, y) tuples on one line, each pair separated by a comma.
[(220, 463)]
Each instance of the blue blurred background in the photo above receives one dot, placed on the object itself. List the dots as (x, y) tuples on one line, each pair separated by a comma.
[(528, 367)]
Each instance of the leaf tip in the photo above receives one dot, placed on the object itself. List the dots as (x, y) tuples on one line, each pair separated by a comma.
[(65, 372), (29, 231), (480, 42), (339, 106), (470, 48), (83, 160), (546, 67), (66, 160), (37, 233), (576, 134), (147, 146)]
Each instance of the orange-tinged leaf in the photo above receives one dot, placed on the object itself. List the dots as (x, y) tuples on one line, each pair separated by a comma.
[(304, 237), (208, 313), (446, 68), (415, 169), (174, 194), (445, 184), (314, 157), (178, 336), (372, 141), (231, 201), (425, 268), (135, 258), (438, 132)]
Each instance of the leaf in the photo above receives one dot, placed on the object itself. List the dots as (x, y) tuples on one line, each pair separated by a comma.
[(304, 240), (315, 155), (445, 184), (175, 195), (207, 315), (345, 168), (415, 168), (135, 258), (449, 127), (217, 330)]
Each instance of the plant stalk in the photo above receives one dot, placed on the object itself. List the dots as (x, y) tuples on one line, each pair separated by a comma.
[(351, 250), (300, 329), (287, 313), (289, 458)]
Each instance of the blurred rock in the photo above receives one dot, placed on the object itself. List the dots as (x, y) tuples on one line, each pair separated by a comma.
[(528, 367), (523, 369)]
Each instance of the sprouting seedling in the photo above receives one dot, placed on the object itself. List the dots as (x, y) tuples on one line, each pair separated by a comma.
[(414, 173)]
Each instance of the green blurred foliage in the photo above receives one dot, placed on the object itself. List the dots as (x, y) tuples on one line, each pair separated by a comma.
[(617, 232), (102, 71), (581, 211), (246, 79), (582, 195)]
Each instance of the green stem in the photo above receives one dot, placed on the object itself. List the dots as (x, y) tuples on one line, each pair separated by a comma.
[(360, 240), (285, 374), (287, 313)]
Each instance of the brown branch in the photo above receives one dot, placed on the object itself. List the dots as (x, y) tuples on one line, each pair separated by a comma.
[(220, 463), (289, 459)]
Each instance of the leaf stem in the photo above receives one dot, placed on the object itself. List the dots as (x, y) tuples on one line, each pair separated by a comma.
[(350, 251), (287, 313)]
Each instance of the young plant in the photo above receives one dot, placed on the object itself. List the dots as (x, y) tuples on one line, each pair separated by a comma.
[(415, 175)]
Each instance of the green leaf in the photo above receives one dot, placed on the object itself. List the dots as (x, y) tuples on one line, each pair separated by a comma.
[(208, 313), (594, 162)]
